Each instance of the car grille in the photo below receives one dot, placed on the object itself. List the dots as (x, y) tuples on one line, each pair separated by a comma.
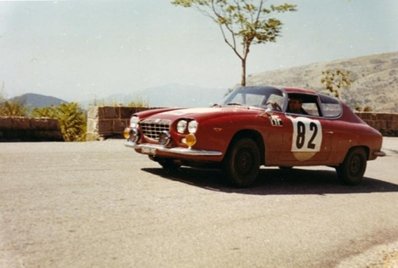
[(152, 128)]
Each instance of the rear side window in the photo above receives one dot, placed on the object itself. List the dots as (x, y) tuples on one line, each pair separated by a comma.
[(331, 107)]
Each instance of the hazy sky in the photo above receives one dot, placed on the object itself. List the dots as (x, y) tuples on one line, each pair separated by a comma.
[(84, 49)]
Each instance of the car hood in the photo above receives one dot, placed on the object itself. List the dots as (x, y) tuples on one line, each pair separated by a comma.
[(203, 113)]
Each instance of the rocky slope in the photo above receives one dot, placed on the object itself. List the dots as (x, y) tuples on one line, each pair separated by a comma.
[(375, 80)]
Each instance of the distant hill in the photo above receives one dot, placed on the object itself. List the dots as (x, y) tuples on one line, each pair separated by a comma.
[(375, 84), (375, 80), (172, 95), (31, 100)]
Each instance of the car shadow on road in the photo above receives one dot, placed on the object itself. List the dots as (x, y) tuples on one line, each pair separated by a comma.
[(273, 181)]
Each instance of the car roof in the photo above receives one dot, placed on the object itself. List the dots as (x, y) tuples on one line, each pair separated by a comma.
[(299, 90)]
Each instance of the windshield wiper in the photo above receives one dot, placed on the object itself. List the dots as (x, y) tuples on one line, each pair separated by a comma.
[(234, 103)]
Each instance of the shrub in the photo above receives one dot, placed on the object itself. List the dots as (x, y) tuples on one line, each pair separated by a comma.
[(138, 102), (72, 120), (12, 108)]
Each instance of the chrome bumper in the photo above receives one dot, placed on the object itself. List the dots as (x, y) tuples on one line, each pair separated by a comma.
[(153, 149)]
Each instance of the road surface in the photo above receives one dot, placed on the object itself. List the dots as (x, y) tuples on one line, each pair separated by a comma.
[(99, 204)]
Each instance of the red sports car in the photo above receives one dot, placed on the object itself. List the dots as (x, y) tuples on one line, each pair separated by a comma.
[(256, 126)]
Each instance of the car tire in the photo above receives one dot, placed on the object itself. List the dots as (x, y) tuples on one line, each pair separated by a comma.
[(242, 163), (166, 163), (285, 168), (353, 168)]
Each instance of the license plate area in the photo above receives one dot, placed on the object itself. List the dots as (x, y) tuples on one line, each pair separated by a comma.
[(148, 150)]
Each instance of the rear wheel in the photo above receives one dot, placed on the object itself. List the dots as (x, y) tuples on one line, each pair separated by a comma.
[(353, 168), (242, 162)]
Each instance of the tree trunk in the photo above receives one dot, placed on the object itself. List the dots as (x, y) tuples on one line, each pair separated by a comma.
[(243, 78)]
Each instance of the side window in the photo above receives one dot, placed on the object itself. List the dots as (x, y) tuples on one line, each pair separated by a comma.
[(275, 101), (330, 106), (311, 108), (304, 104)]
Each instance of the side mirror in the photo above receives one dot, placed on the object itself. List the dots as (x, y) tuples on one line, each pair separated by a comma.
[(267, 113)]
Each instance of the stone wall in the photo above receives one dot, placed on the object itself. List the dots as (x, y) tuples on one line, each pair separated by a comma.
[(29, 129), (386, 123), (108, 122)]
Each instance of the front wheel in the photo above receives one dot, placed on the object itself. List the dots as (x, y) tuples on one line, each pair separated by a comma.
[(166, 163), (242, 162), (353, 168)]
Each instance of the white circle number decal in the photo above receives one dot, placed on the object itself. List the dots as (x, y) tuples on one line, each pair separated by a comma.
[(307, 135)]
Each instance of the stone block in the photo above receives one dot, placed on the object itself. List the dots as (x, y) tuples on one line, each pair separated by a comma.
[(5, 122), (93, 112), (119, 125), (92, 125), (394, 125), (92, 137), (364, 116), (20, 123), (44, 124), (126, 112), (109, 113), (105, 127)]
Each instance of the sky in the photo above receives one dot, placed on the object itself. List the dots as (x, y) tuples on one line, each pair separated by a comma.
[(81, 50)]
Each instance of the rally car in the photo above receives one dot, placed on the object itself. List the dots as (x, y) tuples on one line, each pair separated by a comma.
[(255, 126)]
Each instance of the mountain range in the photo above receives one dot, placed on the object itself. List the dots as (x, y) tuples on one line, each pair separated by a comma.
[(374, 80), (32, 100), (173, 95), (374, 84)]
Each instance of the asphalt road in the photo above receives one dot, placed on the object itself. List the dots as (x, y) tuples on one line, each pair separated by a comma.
[(99, 204)]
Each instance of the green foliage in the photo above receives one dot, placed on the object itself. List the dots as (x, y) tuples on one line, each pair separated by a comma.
[(71, 118), (50, 112), (246, 20), (334, 80), (366, 108), (73, 122), (12, 108), (139, 103)]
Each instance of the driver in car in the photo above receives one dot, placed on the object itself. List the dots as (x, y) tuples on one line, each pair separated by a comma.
[(295, 106)]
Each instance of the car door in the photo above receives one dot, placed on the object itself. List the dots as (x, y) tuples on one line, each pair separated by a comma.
[(307, 137)]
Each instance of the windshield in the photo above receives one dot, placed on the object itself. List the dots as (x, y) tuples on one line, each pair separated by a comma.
[(254, 96)]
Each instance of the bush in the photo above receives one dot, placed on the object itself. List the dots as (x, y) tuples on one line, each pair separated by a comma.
[(138, 102), (12, 108), (72, 120)]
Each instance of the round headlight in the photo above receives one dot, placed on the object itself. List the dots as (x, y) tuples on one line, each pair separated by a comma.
[(193, 127), (134, 122), (182, 126)]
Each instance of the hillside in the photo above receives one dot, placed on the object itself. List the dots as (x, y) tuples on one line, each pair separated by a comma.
[(172, 95), (375, 80), (32, 100)]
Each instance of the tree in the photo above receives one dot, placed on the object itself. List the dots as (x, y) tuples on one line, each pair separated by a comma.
[(336, 79), (12, 108), (72, 119), (242, 20), (50, 112)]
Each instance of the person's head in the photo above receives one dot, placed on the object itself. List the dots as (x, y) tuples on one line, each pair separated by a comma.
[(295, 105)]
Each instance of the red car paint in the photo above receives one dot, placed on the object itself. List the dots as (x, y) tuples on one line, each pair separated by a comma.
[(323, 136)]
